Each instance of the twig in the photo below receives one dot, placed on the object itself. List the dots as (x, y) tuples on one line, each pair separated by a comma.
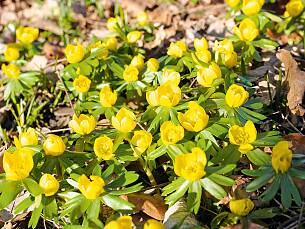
[(301, 213)]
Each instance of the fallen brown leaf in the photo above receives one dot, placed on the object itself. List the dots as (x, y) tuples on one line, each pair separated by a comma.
[(250, 226), (295, 79), (151, 205), (297, 142)]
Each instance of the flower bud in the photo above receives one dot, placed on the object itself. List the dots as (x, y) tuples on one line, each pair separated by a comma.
[(130, 73), (207, 75), (141, 140), (81, 84), (27, 34), (281, 157), (142, 18), (111, 43), (112, 24), (232, 3), (177, 49), (134, 36), (201, 44), (103, 148), (84, 124), (247, 30), (171, 133), (107, 97), (138, 62), (153, 224), (294, 8), (11, 70), (74, 53), (152, 64), (92, 188), (236, 96), (48, 184), (123, 222), (124, 121), (11, 53), (252, 7), (54, 145), (241, 207), (28, 137)]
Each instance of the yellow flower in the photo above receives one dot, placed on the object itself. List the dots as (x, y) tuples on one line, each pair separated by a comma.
[(252, 7), (28, 137), (194, 119), (191, 166), (167, 95), (19, 164), (281, 157), (247, 30), (153, 224), (111, 43), (138, 62), (152, 64), (27, 34), (107, 97), (123, 222), (48, 184), (201, 44), (232, 3), (103, 147), (84, 124), (204, 55), (230, 59), (92, 188), (294, 8), (134, 36), (54, 145), (112, 24), (11, 53), (176, 49), (223, 46), (130, 73), (142, 18), (11, 70), (236, 96), (171, 133), (74, 53), (170, 75), (241, 207), (206, 76), (81, 84), (141, 140), (243, 136), (124, 121)]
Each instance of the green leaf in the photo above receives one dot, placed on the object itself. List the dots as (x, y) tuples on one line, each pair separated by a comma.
[(124, 179), (178, 193), (221, 180), (272, 189), (23, 205), (194, 197), (222, 169), (258, 157), (265, 44), (297, 173), (269, 138), (172, 186), (214, 189), (247, 114), (157, 152), (94, 209), (116, 69), (264, 213), (32, 186), (85, 68), (132, 189), (217, 130), (35, 216), (9, 191), (116, 203), (285, 192), (259, 182), (294, 191)]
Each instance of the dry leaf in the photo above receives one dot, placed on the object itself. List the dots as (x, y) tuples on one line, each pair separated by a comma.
[(250, 226), (36, 64), (150, 205), (296, 82), (297, 142)]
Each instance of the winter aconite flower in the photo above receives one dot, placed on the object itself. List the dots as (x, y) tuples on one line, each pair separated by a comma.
[(103, 148), (241, 207), (167, 95), (142, 18), (247, 30), (11, 53), (207, 75), (170, 75), (191, 166), (82, 84), (130, 73), (92, 188), (112, 24), (152, 64), (204, 55), (194, 119), (201, 44), (138, 62), (107, 96), (252, 7), (124, 121), (134, 36), (54, 145), (84, 124), (48, 184), (243, 136), (236, 96), (123, 222), (177, 49), (18, 165), (232, 3), (281, 157), (141, 140), (74, 53), (111, 43), (153, 224), (171, 133), (224, 53), (29, 137), (27, 34), (11, 70), (294, 8)]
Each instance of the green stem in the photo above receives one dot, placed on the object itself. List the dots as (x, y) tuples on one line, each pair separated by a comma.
[(148, 172)]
